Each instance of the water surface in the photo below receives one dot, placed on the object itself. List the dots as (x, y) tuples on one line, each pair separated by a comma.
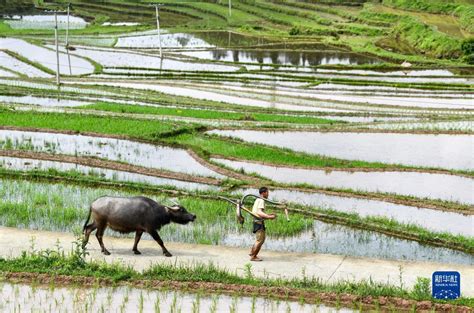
[(127, 299), (434, 220), (287, 57), (440, 151), (136, 153), (422, 185), (45, 22), (31, 165)]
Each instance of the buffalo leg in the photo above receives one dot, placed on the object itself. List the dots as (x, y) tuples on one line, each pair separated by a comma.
[(138, 235), (99, 234), (157, 238), (87, 232)]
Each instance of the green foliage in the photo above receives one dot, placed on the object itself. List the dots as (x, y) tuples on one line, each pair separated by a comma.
[(16, 7), (64, 208), (469, 59), (206, 114), (422, 288), (467, 46), (427, 39), (466, 17), (90, 123), (465, 12)]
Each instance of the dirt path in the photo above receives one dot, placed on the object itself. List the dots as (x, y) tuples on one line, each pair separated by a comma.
[(329, 268)]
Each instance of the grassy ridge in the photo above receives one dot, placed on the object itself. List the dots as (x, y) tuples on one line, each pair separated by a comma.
[(183, 134), (465, 12), (73, 264), (426, 39), (205, 114), (89, 123), (233, 148)]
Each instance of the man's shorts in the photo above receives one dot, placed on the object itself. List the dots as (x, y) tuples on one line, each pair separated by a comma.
[(260, 235), (258, 225)]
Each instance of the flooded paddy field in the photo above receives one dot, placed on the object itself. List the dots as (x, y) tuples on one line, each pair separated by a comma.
[(42, 101), (128, 299), (275, 57), (418, 184), (20, 67), (214, 96), (441, 151), (136, 153), (439, 221), (47, 57), (326, 238), (52, 87), (363, 129), (25, 164), (118, 58), (63, 207), (7, 73), (45, 22), (465, 126), (175, 40)]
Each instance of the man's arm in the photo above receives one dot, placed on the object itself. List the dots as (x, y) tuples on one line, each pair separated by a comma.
[(264, 215)]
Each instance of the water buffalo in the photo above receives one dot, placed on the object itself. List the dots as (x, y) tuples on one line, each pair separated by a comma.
[(134, 214)]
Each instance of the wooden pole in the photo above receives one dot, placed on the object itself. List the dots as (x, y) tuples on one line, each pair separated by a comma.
[(58, 79), (67, 40), (158, 26)]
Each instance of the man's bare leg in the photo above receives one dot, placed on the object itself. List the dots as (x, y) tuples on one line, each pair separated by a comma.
[(257, 246)]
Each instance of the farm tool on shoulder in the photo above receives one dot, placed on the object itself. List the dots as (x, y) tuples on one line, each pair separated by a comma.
[(239, 206)]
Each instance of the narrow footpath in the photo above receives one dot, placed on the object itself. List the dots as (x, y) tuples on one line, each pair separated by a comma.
[(329, 268)]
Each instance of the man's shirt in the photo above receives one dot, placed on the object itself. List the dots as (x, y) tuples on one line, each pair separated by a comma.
[(258, 206)]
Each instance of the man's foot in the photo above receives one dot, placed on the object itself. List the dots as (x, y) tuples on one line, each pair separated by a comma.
[(255, 259)]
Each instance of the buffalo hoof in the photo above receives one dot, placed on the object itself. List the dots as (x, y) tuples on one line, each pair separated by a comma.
[(167, 254), (136, 252), (106, 252)]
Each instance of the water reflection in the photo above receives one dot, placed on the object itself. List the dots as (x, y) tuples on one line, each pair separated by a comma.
[(338, 239), (276, 57)]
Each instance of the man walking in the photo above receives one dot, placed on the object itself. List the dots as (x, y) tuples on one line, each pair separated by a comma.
[(259, 223)]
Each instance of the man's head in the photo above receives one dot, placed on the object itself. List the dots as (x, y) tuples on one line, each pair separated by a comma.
[(263, 191)]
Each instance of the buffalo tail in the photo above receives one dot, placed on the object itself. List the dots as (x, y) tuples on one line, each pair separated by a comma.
[(87, 220)]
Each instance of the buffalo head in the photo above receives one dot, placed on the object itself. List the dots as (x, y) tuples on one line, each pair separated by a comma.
[(178, 214)]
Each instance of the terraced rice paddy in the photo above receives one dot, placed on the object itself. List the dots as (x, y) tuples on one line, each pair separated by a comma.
[(450, 222), (439, 151), (422, 185), (45, 22), (312, 236), (141, 154), (359, 119), (24, 297), (32, 165), (47, 58)]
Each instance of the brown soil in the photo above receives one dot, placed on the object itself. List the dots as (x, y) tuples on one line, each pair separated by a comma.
[(283, 293)]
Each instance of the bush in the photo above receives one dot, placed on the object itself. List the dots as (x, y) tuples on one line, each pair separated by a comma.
[(422, 288), (294, 31), (469, 59), (467, 46)]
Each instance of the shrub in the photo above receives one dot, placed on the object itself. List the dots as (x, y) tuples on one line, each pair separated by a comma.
[(422, 289), (467, 46)]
